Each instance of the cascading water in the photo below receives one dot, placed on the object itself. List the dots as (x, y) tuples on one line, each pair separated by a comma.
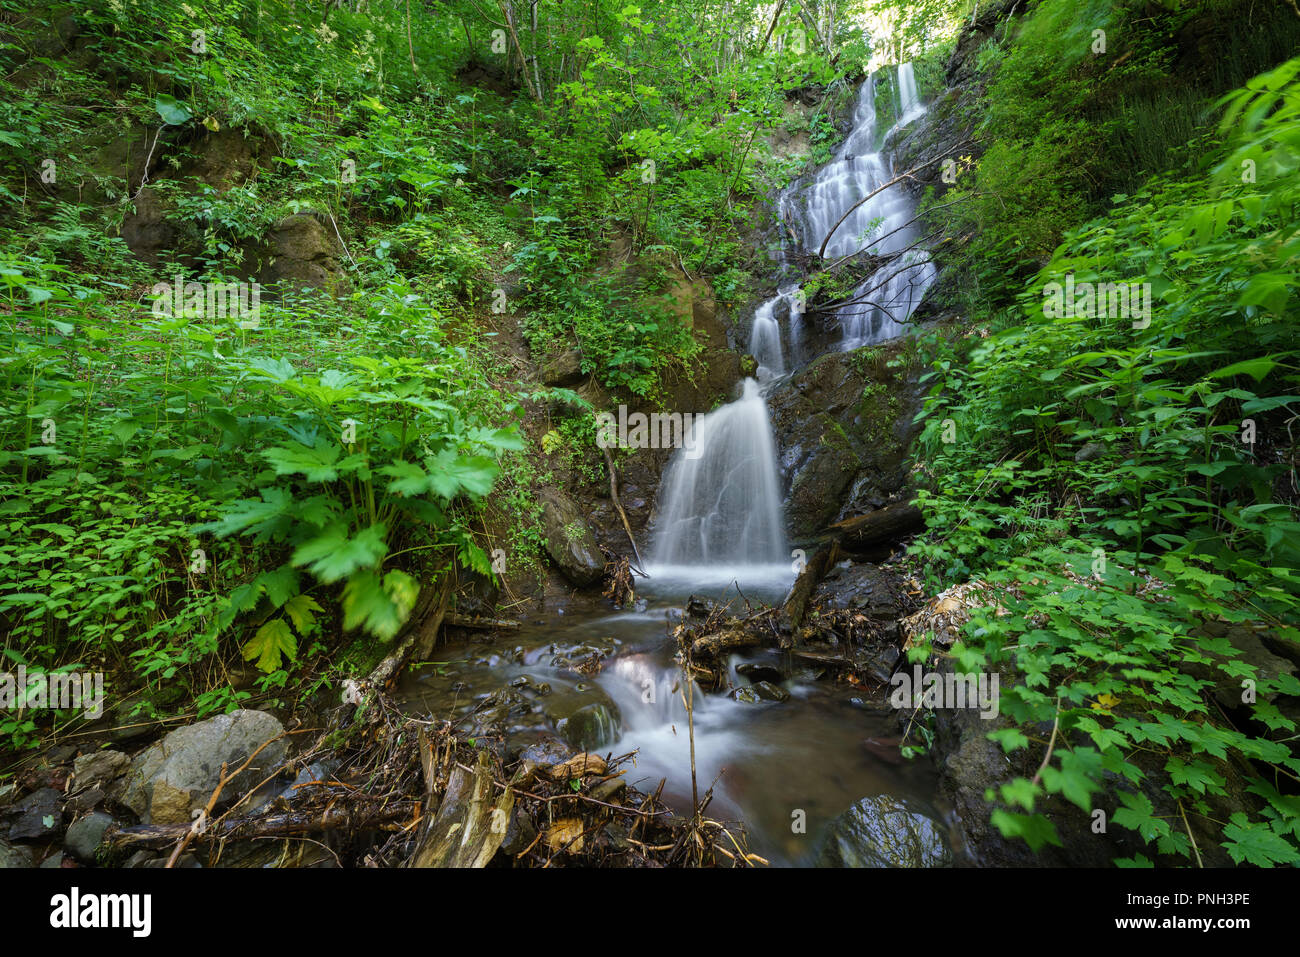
[(720, 520), (720, 502), (721, 498), (882, 225)]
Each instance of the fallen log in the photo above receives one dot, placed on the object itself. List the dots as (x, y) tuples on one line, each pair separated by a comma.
[(470, 621), (887, 524), (813, 572), (719, 642), (364, 817)]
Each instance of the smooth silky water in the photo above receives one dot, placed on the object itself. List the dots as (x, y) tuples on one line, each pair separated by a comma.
[(720, 534), (818, 752)]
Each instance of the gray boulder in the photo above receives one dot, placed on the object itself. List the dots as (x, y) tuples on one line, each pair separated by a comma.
[(84, 835), (569, 541), (178, 774), (98, 767)]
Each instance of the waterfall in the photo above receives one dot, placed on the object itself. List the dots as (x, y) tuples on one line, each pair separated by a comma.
[(721, 501), (765, 333), (909, 102)]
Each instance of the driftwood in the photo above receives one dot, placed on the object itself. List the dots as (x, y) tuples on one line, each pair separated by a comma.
[(797, 601), (367, 816), (618, 504), (886, 524), (719, 642), (471, 820), (470, 621)]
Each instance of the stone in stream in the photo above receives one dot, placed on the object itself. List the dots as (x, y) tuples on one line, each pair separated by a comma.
[(771, 692), (590, 727), (177, 775), (757, 671), (882, 831)]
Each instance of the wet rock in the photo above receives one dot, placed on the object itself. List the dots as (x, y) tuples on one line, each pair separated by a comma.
[(84, 835), (14, 855), (862, 586), (505, 710), (98, 768), (54, 861), (882, 662), (882, 831), (744, 695), (178, 774), (569, 541), (757, 671), (543, 754), (767, 691), (520, 833), (843, 422), (38, 816), (590, 727)]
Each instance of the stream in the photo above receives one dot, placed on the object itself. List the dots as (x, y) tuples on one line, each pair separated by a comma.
[(789, 749)]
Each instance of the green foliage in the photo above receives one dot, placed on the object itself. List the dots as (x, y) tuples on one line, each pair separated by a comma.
[(1125, 483), (1065, 124)]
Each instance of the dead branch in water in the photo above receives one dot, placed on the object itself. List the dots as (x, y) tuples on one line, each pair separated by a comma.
[(627, 526)]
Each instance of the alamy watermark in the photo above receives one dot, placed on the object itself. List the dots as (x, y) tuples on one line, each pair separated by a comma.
[(658, 430), (1087, 300), (933, 690), (209, 300), (63, 692)]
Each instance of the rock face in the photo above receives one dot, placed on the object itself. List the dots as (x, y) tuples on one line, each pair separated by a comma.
[(178, 774), (564, 368), (882, 831), (219, 160), (569, 541), (843, 425), (302, 251)]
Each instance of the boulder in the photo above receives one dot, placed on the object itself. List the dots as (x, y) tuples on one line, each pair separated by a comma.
[(98, 768), (590, 727), (843, 425), (84, 835), (882, 831), (569, 541), (563, 368), (302, 251), (178, 774)]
